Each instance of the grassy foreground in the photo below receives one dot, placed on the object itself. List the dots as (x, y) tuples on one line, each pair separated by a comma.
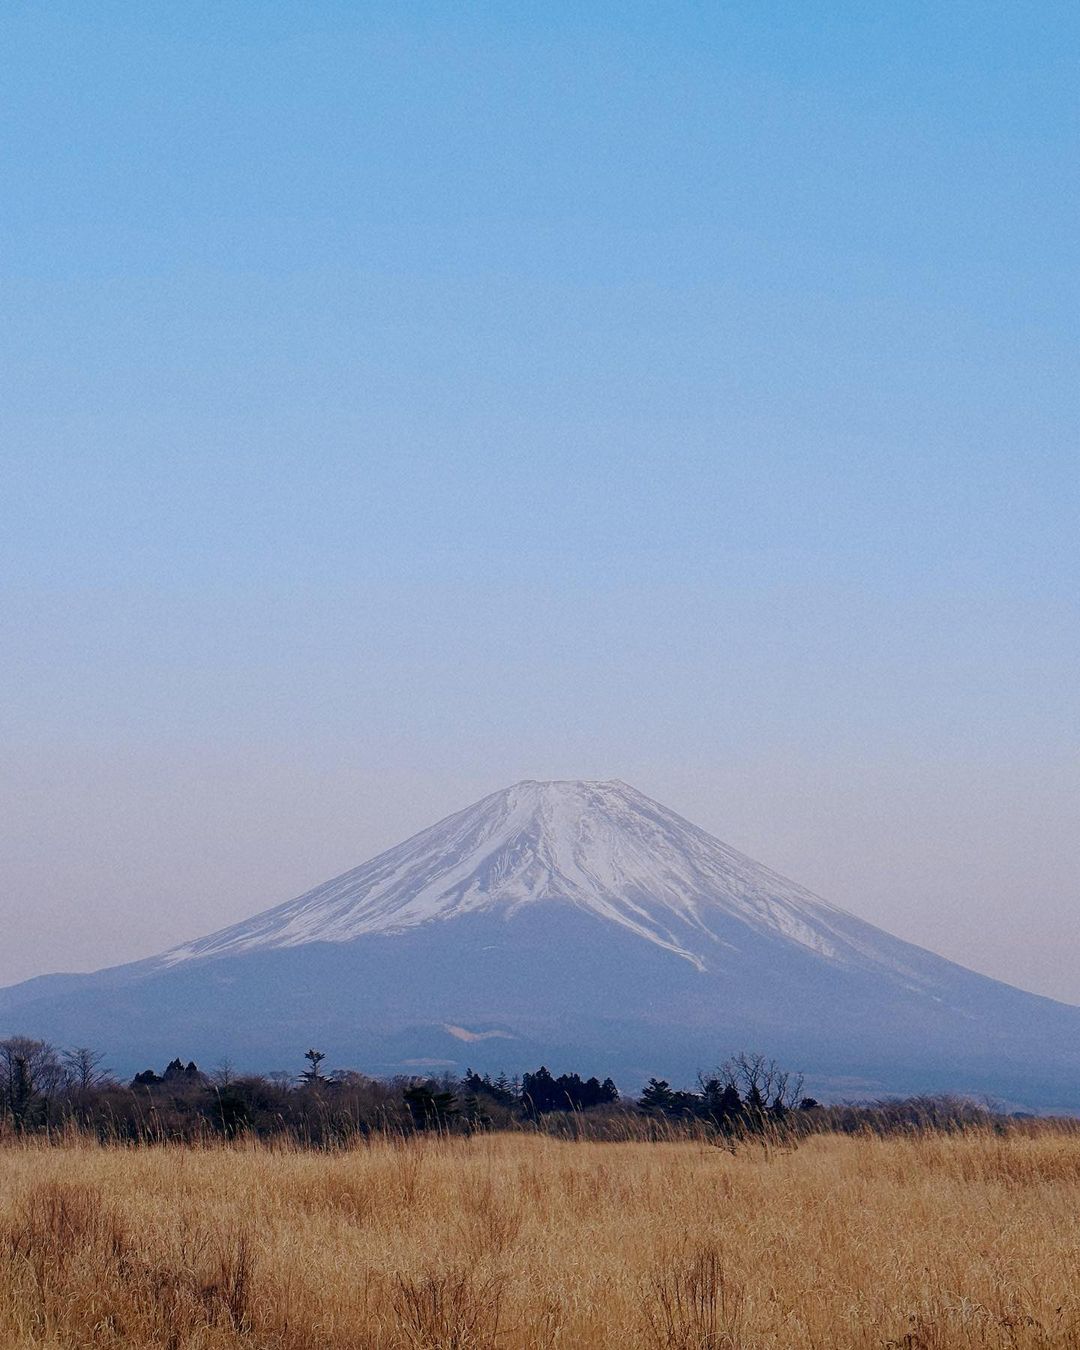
[(927, 1243)]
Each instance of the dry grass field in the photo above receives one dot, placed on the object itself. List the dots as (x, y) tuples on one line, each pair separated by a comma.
[(928, 1243)]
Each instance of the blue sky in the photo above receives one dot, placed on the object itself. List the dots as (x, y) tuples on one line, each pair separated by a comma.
[(401, 400)]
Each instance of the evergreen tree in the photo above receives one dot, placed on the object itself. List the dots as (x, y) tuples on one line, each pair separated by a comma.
[(720, 1102), (313, 1075), (431, 1108), (656, 1098), (730, 1105), (538, 1091)]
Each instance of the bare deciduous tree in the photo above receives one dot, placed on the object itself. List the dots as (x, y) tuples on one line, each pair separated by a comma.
[(83, 1067), (29, 1071), (761, 1082)]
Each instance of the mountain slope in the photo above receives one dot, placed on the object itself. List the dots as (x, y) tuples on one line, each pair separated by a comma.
[(603, 848), (579, 922)]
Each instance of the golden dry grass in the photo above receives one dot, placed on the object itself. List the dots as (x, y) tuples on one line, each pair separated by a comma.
[(933, 1243)]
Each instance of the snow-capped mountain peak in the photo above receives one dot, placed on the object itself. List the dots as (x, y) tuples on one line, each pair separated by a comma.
[(579, 924), (602, 847)]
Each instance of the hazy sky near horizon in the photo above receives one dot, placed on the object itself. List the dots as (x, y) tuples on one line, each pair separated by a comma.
[(402, 400)]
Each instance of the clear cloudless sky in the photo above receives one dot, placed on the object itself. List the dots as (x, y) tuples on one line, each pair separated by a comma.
[(401, 400)]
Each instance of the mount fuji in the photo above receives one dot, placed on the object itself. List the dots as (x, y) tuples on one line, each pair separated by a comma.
[(585, 925)]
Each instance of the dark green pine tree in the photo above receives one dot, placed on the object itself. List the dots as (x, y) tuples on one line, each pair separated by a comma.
[(313, 1076), (657, 1098), (430, 1108)]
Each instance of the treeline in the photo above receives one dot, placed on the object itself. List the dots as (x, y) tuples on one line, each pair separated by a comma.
[(54, 1092), (43, 1089)]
